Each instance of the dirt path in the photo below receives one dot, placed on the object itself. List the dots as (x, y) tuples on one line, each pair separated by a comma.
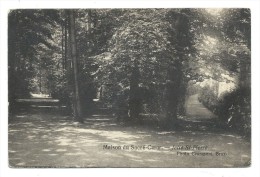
[(195, 110), (48, 139)]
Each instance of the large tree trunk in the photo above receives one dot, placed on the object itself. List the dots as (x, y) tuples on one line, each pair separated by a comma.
[(134, 97), (62, 47), (12, 60), (65, 40), (77, 105), (40, 84), (244, 71), (173, 95), (182, 97)]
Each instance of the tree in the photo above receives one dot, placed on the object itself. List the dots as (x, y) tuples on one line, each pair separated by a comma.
[(76, 103), (188, 26), (153, 51), (29, 30), (230, 62), (136, 48)]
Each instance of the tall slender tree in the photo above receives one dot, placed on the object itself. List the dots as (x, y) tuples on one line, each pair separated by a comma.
[(77, 105)]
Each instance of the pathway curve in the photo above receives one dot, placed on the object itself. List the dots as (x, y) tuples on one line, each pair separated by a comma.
[(196, 110)]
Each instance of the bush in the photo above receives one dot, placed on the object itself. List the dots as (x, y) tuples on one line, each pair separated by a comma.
[(232, 108), (209, 99), (235, 107)]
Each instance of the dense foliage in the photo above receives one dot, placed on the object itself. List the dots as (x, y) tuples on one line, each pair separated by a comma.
[(233, 61), (139, 62), (232, 108)]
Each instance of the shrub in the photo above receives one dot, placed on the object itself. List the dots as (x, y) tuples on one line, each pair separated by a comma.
[(235, 107), (232, 108), (209, 99)]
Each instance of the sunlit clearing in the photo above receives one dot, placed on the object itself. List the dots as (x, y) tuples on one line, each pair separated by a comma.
[(214, 11), (211, 41)]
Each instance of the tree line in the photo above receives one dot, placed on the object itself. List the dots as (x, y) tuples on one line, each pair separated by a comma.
[(141, 60)]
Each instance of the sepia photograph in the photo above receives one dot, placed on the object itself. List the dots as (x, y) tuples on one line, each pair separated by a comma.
[(129, 87)]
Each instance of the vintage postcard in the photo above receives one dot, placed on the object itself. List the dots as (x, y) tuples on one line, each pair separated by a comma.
[(166, 87)]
